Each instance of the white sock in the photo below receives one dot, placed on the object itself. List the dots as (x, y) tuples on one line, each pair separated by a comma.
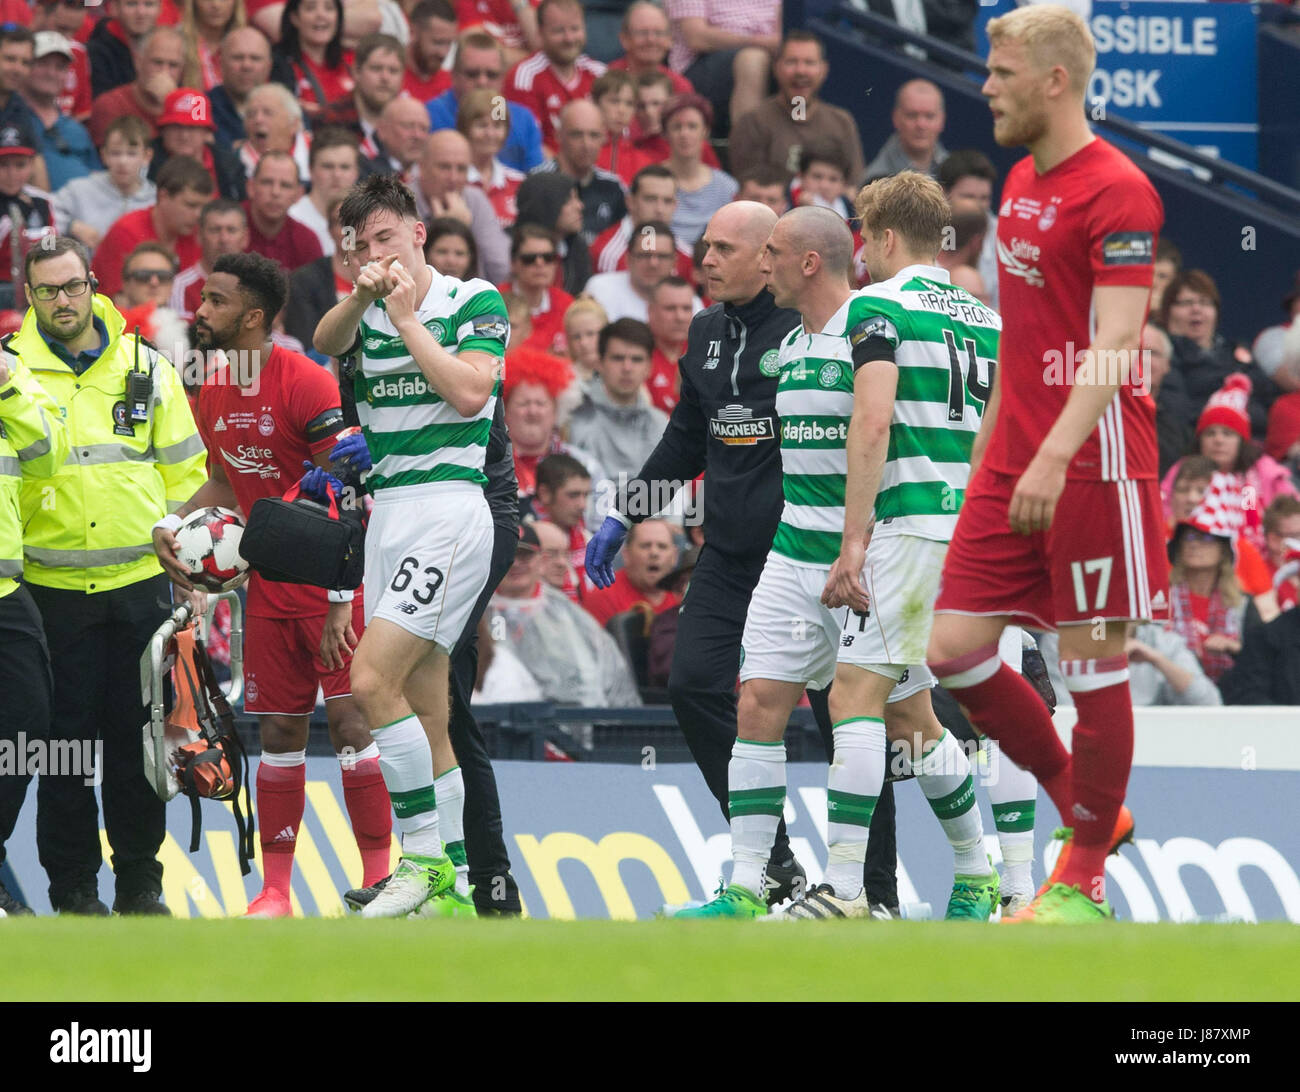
[(1013, 792), (348, 759), (944, 777), (285, 760), (856, 778), (450, 788), (406, 762), (756, 797)]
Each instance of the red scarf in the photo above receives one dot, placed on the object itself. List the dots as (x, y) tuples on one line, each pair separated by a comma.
[(1183, 621)]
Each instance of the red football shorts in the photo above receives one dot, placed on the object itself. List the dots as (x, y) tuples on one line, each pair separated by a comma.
[(1102, 558), (282, 664)]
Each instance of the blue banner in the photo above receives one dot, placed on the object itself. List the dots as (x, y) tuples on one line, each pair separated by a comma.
[(1187, 70), (606, 841)]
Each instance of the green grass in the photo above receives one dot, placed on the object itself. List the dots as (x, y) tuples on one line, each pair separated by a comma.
[(317, 960)]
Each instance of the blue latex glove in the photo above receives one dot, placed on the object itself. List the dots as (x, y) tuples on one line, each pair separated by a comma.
[(602, 549), (351, 453), (318, 482)]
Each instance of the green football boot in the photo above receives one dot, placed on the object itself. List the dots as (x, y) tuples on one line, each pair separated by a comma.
[(734, 902), (1062, 905), (450, 904), (974, 898)]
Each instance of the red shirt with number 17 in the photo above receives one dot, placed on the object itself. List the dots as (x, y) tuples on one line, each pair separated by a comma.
[(1091, 221), (261, 435)]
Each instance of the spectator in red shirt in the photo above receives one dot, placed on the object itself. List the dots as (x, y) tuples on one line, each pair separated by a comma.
[(486, 126), (653, 197), (379, 70), (147, 276), (650, 556), (1281, 532), (646, 37), (433, 33), (272, 232), (614, 94), (159, 60), (311, 40), (562, 498), (223, 229), (185, 127), (672, 303), (534, 263), (654, 90), (115, 42), (560, 72), (511, 23), (205, 24), (68, 18), (273, 118), (184, 187)]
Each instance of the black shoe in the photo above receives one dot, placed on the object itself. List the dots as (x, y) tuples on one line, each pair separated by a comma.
[(84, 904), (11, 907), (785, 881), (508, 906), (1034, 668), (144, 904), (358, 898)]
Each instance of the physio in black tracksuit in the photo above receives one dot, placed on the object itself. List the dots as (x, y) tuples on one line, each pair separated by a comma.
[(495, 891), (725, 426)]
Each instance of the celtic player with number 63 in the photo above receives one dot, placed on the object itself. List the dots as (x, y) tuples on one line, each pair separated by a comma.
[(429, 350)]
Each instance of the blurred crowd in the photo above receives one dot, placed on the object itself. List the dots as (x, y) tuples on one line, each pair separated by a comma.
[(577, 171)]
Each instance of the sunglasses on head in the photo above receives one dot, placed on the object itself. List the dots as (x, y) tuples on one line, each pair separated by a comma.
[(537, 257)]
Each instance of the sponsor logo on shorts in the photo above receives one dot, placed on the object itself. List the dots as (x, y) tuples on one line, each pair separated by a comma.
[(736, 425), (1127, 248)]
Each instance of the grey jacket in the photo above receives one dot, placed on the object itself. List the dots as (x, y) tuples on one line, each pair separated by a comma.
[(620, 438), (891, 159)]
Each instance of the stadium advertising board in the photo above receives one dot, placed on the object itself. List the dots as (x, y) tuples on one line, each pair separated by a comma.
[(1215, 837), (1187, 70)]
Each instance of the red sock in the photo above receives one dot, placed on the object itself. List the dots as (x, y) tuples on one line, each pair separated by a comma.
[(1103, 755), (1002, 705), (371, 813), (281, 796)]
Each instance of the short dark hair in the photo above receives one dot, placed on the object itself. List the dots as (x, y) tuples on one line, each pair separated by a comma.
[(449, 225), (654, 78), (262, 282), (1283, 505), (547, 5), (966, 163), (633, 331), (523, 232), (1195, 468), (433, 9), (614, 80), (332, 136), (152, 246), (654, 170), (373, 43), (378, 193), (554, 470), (13, 33), (475, 39), (51, 247), (765, 175), (131, 128), (180, 172), (801, 36), (655, 228), (219, 206), (672, 281), (823, 153)]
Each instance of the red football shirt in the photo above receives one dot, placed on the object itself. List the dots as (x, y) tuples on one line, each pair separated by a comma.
[(334, 82), (681, 85), (423, 90), (533, 83), (293, 246), (662, 383), (1091, 220), (497, 17), (609, 252), (261, 440), (75, 100), (603, 603), (128, 232)]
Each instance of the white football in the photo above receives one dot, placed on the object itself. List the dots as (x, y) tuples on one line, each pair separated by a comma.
[(207, 544)]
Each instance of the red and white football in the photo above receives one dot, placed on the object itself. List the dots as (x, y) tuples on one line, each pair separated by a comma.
[(207, 544)]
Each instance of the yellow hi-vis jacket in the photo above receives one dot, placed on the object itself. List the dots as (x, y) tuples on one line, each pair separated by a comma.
[(94, 531), (33, 445)]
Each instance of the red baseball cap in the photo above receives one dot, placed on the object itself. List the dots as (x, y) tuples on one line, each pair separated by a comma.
[(185, 106)]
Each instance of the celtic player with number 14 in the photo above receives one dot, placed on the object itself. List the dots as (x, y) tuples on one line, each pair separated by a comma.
[(429, 350)]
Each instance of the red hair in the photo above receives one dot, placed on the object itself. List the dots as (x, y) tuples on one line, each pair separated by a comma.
[(528, 365)]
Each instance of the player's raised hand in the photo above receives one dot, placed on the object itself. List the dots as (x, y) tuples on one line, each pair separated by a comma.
[(401, 300), (844, 586), (1033, 502), (375, 280)]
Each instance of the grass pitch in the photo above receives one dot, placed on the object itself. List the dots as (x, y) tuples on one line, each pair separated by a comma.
[(352, 960)]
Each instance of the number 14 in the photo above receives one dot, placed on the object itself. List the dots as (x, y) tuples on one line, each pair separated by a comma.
[(1079, 569)]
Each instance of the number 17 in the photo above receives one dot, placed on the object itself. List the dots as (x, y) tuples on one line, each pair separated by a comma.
[(1079, 569)]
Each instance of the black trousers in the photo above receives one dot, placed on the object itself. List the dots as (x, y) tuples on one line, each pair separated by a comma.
[(24, 697), (485, 844), (95, 642), (706, 660)]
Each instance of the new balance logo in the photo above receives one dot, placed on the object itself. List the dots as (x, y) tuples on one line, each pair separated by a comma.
[(407, 608), (220, 426), (286, 835)]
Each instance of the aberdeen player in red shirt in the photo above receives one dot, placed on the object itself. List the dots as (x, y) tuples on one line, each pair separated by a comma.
[(1060, 526), (262, 414)]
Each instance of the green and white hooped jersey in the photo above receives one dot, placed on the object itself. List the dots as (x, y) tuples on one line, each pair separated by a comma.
[(944, 342), (415, 437)]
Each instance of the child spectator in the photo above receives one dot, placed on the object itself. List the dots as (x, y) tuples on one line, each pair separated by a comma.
[(26, 213), (615, 96), (823, 174), (583, 322), (485, 123), (185, 127), (89, 206), (1281, 544)]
